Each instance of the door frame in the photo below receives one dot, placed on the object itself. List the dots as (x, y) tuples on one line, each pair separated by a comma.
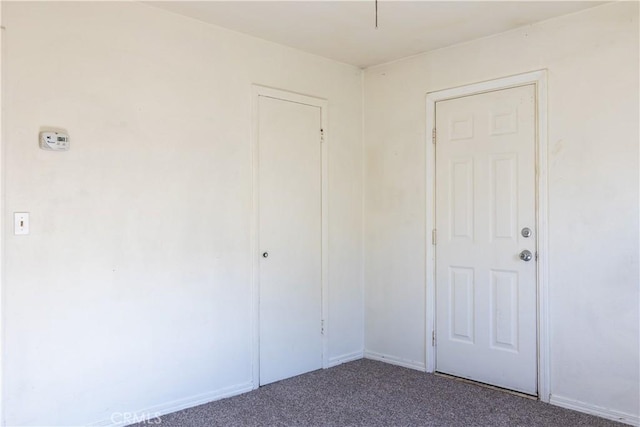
[(258, 91), (539, 80), (2, 220)]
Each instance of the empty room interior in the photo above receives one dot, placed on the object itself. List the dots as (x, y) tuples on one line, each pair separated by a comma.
[(320, 213)]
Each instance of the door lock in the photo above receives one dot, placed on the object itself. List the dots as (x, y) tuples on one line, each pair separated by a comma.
[(265, 255), (526, 232)]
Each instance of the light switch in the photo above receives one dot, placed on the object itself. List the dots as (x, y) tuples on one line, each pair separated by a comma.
[(21, 223)]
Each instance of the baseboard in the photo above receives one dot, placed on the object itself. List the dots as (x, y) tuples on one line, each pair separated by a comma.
[(344, 358), (395, 360), (150, 414), (599, 411)]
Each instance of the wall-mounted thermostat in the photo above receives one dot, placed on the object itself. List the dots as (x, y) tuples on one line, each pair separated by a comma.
[(55, 141)]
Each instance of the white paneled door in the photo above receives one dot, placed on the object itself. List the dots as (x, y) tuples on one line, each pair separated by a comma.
[(290, 238), (486, 238)]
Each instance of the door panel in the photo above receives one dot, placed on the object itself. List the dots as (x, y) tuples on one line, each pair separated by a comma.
[(290, 234), (485, 194)]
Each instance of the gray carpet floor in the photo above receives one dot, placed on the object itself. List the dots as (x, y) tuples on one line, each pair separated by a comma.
[(370, 393)]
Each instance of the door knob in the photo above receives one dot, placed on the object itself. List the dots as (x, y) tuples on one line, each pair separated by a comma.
[(265, 255), (526, 255)]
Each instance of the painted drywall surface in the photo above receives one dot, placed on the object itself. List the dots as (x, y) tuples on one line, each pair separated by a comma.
[(592, 62), (133, 288)]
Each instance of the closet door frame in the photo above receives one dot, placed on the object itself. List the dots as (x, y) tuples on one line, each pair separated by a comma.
[(258, 91)]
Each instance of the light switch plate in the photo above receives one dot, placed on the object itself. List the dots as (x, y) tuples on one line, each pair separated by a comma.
[(21, 223)]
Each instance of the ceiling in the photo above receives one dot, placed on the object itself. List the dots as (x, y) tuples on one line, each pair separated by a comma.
[(345, 30)]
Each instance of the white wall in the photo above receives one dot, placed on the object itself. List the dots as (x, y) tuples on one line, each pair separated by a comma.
[(592, 62), (133, 288)]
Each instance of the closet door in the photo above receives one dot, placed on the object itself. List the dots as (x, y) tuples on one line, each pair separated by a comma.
[(290, 238)]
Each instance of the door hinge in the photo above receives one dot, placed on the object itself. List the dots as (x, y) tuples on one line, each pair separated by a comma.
[(433, 338), (322, 326), (433, 135), (536, 255), (434, 236), (321, 136)]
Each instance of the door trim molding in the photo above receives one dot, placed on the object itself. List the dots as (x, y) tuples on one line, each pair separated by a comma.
[(539, 79), (258, 91), (2, 223)]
